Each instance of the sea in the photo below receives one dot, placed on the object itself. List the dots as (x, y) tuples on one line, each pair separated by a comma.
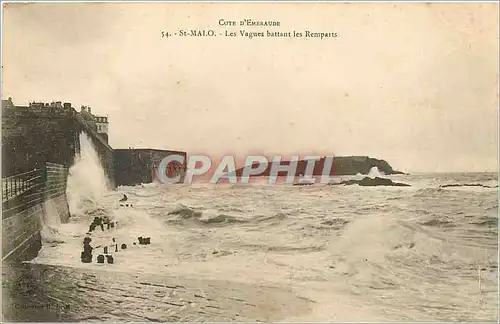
[(267, 252)]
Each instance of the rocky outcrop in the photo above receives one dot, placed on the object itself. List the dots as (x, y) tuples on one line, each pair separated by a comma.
[(372, 182), (342, 165), (352, 165)]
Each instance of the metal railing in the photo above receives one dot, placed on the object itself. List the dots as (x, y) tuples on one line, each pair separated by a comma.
[(23, 191), (16, 185)]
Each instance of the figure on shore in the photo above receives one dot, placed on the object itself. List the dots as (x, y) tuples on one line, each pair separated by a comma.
[(98, 221), (86, 254), (124, 198)]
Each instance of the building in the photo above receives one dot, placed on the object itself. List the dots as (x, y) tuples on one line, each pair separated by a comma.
[(102, 126), (49, 132), (98, 123)]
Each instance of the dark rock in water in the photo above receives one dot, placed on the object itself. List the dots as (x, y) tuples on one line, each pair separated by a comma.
[(372, 182), (467, 185), (144, 240), (110, 258), (124, 246), (100, 258), (186, 213), (437, 222), (105, 250), (303, 184), (222, 219), (87, 240), (335, 221)]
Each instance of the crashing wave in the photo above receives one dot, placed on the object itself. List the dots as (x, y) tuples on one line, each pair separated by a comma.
[(185, 212)]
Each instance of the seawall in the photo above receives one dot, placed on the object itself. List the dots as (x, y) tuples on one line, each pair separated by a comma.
[(28, 201), (39, 144), (136, 166), (32, 136)]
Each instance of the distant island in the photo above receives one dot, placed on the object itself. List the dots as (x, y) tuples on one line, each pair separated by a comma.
[(342, 165)]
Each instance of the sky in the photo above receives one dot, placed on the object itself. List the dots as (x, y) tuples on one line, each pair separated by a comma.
[(415, 84)]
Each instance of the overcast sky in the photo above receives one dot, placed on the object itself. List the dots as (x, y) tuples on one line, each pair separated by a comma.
[(415, 84)]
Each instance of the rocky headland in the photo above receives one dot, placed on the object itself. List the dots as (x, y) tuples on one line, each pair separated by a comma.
[(342, 165)]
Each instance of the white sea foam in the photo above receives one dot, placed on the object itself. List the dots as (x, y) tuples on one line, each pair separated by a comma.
[(369, 254)]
